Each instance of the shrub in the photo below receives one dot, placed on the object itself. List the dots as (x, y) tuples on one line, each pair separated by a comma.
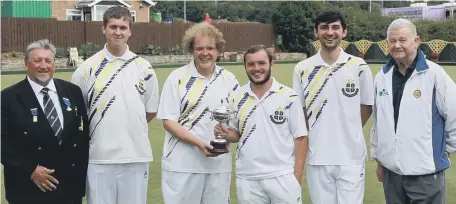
[(152, 50), (88, 49), (176, 50)]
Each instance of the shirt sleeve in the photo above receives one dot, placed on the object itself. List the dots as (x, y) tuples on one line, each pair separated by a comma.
[(446, 100), (79, 80), (151, 95), (373, 131), (296, 120), (297, 85), (366, 85), (169, 108)]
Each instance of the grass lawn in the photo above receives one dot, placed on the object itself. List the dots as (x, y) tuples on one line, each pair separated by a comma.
[(283, 73)]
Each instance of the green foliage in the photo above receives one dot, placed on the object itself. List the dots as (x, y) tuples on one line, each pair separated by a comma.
[(176, 50), (61, 52), (294, 21), (217, 10), (152, 50), (430, 30), (88, 49), (364, 25)]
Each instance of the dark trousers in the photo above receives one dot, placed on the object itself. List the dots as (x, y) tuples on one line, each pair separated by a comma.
[(53, 201), (422, 189)]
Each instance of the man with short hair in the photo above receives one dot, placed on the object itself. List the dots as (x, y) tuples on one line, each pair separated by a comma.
[(271, 134), (45, 139), (121, 94), (414, 121), (191, 171), (336, 91)]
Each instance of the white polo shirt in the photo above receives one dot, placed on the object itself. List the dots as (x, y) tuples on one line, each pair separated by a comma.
[(268, 127), (118, 92), (188, 97), (332, 95)]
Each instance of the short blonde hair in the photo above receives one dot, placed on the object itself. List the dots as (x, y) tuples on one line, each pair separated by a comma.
[(207, 30)]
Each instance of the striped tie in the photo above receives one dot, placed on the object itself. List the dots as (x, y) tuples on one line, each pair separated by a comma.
[(51, 113)]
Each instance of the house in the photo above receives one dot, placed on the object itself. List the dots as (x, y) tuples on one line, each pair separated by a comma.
[(73, 10), (419, 11), (92, 10)]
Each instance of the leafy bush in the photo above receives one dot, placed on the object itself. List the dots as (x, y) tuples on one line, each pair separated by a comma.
[(88, 49), (61, 52), (152, 50), (294, 21), (176, 50)]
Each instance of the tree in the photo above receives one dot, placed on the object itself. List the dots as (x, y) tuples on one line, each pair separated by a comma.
[(229, 10), (294, 21)]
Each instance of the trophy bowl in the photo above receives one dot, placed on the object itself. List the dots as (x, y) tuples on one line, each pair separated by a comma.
[(222, 115)]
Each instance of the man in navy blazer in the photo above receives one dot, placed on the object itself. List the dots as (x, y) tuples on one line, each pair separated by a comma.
[(44, 141)]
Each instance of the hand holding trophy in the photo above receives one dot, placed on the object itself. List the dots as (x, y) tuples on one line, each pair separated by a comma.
[(222, 115)]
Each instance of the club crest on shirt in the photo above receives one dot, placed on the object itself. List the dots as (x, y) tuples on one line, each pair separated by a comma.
[(417, 93), (140, 87), (350, 89), (383, 93), (278, 117)]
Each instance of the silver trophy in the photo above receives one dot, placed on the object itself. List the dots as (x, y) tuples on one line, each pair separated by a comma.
[(222, 115)]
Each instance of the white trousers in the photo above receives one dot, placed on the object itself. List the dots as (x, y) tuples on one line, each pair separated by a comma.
[(196, 188), (334, 184), (278, 190), (117, 183)]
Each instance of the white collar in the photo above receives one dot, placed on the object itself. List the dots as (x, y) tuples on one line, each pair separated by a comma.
[(194, 72), (343, 58), (126, 56), (37, 88), (275, 87)]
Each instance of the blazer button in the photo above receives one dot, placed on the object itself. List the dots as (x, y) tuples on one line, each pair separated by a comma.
[(73, 165), (75, 145), (25, 133), (39, 148)]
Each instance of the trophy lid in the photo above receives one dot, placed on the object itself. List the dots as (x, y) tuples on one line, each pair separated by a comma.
[(221, 109)]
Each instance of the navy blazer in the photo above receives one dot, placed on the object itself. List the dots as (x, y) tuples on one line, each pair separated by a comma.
[(27, 143)]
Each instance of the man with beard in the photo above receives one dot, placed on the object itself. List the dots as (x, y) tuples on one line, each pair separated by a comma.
[(45, 138), (336, 91), (270, 134), (121, 94), (191, 172), (414, 121)]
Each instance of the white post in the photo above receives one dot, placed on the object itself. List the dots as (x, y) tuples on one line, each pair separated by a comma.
[(185, 11), (370, 6)]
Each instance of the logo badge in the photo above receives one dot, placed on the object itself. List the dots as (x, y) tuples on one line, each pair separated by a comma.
[(67, 103), (417, 93), (350, 89), (140, 87), (34, 114), (383, 93), (278, 117)]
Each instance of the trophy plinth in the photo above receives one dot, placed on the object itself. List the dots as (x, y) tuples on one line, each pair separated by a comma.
[(220, 146), (222, 115)]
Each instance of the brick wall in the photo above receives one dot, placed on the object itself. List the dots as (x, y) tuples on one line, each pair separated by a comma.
[(142, 15), (59, 8)]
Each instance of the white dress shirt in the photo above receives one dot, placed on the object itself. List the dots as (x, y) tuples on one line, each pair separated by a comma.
[(52, 94)]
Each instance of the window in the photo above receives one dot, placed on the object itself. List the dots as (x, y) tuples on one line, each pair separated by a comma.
[(74, 15), (98, 11)]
